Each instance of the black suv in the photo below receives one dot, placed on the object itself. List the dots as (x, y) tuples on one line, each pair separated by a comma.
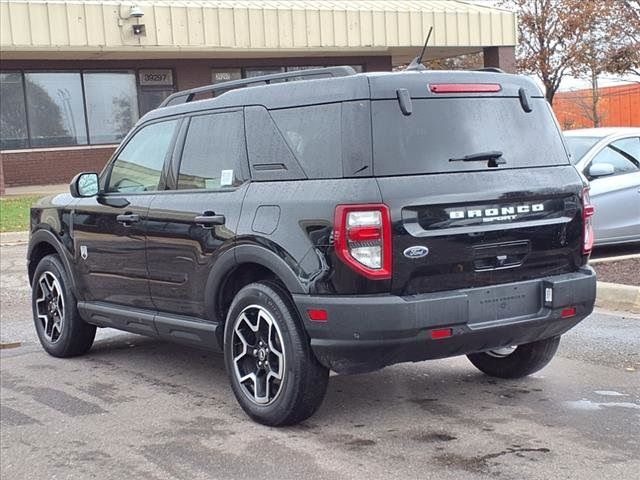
[(326, 220)]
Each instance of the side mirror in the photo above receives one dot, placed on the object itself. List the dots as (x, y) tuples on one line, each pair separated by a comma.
[(601, 170), (85, 185)]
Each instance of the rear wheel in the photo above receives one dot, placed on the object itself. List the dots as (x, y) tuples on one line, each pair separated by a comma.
[(61, 331), (516, 362), (274, 375)]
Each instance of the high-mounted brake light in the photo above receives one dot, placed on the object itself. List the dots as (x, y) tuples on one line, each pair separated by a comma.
[(588, 210), (465, 87), (362, 237)]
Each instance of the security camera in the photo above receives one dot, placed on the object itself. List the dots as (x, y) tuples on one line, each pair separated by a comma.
[(136, 12)]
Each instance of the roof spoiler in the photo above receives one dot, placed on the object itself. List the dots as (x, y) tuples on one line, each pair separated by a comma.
[(186, 96)]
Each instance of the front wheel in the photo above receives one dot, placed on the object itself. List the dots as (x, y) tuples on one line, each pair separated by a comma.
[(274, 375), (61, 330), (516, 362)]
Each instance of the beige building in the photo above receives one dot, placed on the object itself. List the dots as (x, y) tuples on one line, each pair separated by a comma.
[(76, 75)]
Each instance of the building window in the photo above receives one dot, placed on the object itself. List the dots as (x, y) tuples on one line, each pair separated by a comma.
[(154, 86), (51, 109), (112, 105), (13, 119), (259, 71), (55, 109)]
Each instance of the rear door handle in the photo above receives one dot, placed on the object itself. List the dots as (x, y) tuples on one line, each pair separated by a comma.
[(209, 221), (127, 219)]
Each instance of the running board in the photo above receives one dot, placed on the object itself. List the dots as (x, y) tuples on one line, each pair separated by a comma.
[(176, 328)]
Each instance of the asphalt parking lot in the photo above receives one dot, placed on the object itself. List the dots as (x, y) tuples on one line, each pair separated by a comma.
[(141, 408)]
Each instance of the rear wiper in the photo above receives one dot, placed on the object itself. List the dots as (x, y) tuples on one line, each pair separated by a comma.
[(493, 157)]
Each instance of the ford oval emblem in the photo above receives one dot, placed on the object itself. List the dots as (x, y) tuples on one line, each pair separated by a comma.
[(416, 252)]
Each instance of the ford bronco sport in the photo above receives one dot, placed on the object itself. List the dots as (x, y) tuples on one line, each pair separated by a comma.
[(326, 220)]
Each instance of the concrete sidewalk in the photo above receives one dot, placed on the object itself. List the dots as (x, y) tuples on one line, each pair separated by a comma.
[(13, 238), (36, 190)]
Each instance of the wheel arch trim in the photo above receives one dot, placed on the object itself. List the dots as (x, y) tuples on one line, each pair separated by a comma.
[(45, 236), (247, 253)]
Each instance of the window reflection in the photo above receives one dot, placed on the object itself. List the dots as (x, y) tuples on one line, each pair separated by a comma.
[(138, 167), (55, 110), (112, 105), (13, 121)]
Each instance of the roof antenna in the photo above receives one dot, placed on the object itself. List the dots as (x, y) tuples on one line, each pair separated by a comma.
[(416, 63)]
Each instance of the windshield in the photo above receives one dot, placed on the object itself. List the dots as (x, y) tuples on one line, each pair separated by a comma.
[(463, 134), (579, 146)]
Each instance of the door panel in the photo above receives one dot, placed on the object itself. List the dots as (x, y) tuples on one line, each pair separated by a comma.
[(190, 227), (617, 197), (181, 252), (109, 230), (617, 202), (110, 255)]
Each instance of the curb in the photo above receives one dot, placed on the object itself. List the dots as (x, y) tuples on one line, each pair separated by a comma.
[(615, 296), (8, 239), (595, 261)]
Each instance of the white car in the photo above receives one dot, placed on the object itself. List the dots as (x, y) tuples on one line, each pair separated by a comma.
[(610, 159)]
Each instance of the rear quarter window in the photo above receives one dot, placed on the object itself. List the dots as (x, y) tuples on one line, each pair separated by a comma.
[(445, 128), (313, 133)]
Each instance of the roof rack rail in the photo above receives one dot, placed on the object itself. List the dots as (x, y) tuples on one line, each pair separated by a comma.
[(186, 96), (490, 69)]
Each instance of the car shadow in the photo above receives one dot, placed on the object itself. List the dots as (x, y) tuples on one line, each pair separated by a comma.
[(447, 389)]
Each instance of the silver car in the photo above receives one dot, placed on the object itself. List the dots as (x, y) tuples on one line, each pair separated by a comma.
[(610, 159)]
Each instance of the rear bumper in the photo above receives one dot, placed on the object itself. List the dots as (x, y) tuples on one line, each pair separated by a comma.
[(365, 333)]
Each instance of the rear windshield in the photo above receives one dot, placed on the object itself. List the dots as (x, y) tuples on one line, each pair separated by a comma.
[(443, 129)]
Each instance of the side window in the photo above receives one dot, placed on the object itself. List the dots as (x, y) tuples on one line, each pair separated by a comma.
[(314, 136), (139, 165), (620, 154), (629, 148), (214, 150)]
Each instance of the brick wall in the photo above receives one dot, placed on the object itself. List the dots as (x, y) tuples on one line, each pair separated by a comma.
[(50, 166)]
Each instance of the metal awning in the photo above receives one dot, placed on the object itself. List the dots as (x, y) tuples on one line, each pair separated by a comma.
[(190, 29)]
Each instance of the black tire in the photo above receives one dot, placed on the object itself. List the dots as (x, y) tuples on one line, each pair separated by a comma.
[(302, 387), (524, 360), (74, 336)]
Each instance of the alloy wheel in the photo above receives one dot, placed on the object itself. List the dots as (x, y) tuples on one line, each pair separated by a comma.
[(50, 306), (258, 355), (502, 352)]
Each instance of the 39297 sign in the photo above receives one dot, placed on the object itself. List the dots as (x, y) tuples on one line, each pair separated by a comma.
[(163, 76)]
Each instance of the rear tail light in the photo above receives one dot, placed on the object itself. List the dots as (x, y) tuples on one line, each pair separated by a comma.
[(362, 236), (568, 312), (587, 213), (465, 87)]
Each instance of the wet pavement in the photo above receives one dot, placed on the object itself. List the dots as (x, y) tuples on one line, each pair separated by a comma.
[(141, 408)]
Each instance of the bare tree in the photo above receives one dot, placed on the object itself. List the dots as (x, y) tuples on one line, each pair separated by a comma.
[(549, 34), (580, 37)]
